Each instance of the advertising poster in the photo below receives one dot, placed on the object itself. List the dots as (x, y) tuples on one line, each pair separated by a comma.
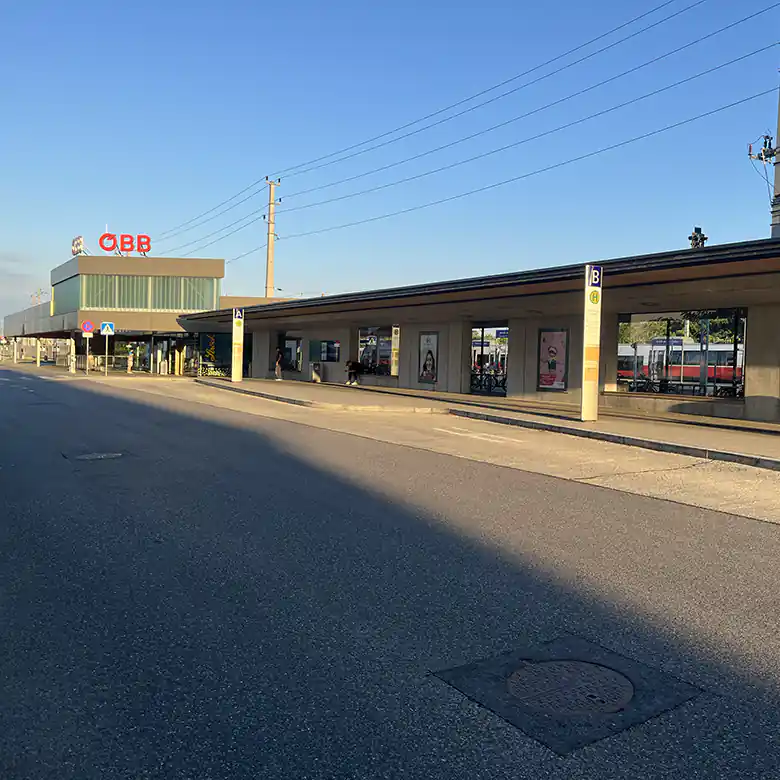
[(553, 359), (429, 357)]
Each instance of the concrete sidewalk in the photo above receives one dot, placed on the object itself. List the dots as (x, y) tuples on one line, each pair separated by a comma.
[(335, 398), (731, 441)]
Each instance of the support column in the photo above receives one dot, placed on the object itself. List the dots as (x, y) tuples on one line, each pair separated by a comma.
[(762, 364), (16, 351), (610, 329), (517, 359), (72, 353), (37, 353)]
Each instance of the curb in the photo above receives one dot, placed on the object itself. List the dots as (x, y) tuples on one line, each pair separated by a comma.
[(757, 461), (320, 404)]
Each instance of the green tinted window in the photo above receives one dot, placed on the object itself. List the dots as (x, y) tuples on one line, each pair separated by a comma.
[(66, 295), (166, 293), (99, 292), (132, 292), (198, 294), (145, 293)]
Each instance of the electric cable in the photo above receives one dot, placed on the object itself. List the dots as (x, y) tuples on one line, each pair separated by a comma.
[(165, 233), (474, 158)]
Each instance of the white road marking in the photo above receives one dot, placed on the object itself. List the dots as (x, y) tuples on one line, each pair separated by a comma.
[(495, 439)]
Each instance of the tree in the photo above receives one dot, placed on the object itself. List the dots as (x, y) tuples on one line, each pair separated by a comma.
[(641, 332)]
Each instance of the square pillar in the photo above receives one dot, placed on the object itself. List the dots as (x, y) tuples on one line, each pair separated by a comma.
[(261, 354), (610, 328), (37, 353), (72, 353), (518, 358), (16, 351), (762, 364)]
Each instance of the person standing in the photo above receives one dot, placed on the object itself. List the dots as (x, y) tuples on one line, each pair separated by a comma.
[(353, 369), (278, 366)]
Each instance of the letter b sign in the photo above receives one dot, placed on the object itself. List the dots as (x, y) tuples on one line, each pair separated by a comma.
[(594, 276), (125, 243)]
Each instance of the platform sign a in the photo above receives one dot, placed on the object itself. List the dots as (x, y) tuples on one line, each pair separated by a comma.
[(107, 329), (237, 362)]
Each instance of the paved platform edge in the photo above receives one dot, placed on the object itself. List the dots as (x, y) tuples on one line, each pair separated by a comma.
[(742, 459), (237, 388)]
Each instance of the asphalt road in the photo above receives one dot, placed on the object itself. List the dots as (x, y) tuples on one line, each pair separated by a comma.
[(239, 596)]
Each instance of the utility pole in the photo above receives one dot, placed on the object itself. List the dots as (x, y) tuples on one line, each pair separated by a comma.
[(770, 153), (269, 255), (776, 201)]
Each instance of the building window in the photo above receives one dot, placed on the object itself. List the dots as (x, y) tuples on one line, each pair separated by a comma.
[(99, 291), (378, 350), (166, 293), (688, 353), (66, 296), (198, 294), (148, 293), (132, 292)]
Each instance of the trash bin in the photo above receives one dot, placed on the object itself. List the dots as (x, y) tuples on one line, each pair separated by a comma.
[(316, 372)]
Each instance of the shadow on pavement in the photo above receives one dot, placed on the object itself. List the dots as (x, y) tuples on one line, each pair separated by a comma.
[(230, 600)]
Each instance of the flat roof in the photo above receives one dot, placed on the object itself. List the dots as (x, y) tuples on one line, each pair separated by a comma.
[(639, 264), (138, 265)]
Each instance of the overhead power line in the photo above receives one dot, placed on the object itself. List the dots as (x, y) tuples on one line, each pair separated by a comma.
[(491, 152), (496, 97), (555, 166), (244, 254), (534, 111), (523, 176), (477, 134), (515, 144), (214, 233), (165, 233), (463, 101)]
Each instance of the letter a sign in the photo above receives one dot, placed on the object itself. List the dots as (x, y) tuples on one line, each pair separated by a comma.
[(237, 365)]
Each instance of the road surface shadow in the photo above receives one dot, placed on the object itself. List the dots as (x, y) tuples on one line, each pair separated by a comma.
[(250, 598)]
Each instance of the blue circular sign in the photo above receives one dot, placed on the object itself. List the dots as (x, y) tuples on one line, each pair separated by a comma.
[(87, 326)]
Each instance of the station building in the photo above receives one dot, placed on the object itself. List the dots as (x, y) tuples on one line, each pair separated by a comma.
[(142, 296), (695, 331)]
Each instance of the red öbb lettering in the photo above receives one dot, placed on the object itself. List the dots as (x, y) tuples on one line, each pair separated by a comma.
[(110, 242)]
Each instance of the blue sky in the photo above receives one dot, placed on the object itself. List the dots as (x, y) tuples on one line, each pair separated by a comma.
[(144, 115)]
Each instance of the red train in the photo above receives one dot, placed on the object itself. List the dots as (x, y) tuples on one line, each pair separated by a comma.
[(648, 361)]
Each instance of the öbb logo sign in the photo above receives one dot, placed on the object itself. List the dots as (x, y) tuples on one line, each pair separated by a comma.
[(110, 242)]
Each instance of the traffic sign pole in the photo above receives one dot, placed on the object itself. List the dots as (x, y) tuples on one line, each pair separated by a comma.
[(107, 329), (87, 365)]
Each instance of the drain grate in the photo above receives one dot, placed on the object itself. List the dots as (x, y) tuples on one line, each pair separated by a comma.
[(570, 688)]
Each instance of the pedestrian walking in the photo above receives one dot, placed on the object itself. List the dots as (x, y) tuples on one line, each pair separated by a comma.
[(278, 366)]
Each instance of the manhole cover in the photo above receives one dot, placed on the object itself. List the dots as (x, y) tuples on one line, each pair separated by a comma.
[(570, 688)]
